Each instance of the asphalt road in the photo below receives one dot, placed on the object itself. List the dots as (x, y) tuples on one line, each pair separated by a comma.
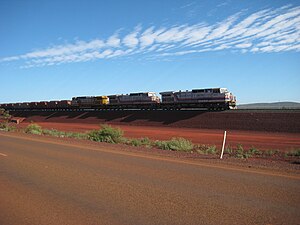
[(48, 182)]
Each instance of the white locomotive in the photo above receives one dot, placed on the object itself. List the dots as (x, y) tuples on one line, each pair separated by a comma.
[(134, 98), (209, 98)]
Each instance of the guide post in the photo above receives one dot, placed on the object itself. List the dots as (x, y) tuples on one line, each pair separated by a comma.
[(224, 140)]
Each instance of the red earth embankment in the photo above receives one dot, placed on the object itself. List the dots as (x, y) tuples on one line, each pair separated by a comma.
[(287, 121), (261, 129)]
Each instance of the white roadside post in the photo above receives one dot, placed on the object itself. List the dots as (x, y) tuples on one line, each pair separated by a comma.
[(224, 140)]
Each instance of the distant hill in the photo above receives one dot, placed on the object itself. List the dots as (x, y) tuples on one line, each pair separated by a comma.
[(274, 105)]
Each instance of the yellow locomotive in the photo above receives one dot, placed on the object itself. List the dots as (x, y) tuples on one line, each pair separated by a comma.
[(87, 101)]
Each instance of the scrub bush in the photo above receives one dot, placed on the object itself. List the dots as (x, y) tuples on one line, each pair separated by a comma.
[(175, 144), (34, 129), (106, 134), (141, 142)]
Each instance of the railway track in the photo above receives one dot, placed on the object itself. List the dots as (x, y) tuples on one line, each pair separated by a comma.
[(160, 110)]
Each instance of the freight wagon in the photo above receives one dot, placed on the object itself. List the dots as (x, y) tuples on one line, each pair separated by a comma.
[(63, 104)]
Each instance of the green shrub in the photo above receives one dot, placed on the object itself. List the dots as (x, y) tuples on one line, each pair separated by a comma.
[(3, 126), (229, 150), (241, 153), (76, 135), (7, 127), (201, 148), (135, 142), (295, 153), (254, 151), (206, 149), (34, 129), (175, 144), (57, 133), (5, 114), (271, 152), (161, 145), (141, 142), (211, 149), (106, 134), (53, 132)]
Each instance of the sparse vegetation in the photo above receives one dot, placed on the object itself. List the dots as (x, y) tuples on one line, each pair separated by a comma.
[(241, 153), (34, 129), (211, 149), (53, 132), (115, 135), (141, 142), (106, 134), (7, 127), (175, 144), (57, 133), (270, 152), (5, 114), (254, 151), (206, 149), (295, 153), (229, 150), (5, 117), (76, 135)]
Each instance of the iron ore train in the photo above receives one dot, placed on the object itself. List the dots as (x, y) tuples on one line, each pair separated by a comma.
[(208, 98)]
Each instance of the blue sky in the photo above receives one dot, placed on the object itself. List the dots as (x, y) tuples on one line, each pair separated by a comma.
[(60, 49)]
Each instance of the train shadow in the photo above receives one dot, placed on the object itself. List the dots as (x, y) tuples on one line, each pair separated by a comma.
[(163, 117), (122, 116)]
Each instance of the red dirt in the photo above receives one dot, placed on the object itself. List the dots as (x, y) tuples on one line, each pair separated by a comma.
[(272, 129), (261, 140)]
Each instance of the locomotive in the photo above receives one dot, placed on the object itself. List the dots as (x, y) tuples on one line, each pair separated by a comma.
[(208, 99), (142, 100)]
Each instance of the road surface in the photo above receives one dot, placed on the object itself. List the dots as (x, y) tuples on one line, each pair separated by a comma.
[(44, 181)]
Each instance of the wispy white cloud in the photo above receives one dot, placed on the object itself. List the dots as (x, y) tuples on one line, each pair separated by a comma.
[(188, 5), (265, 31), (131, 40), (149, 36), (244, 45), (113, 41), (221, 28)]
